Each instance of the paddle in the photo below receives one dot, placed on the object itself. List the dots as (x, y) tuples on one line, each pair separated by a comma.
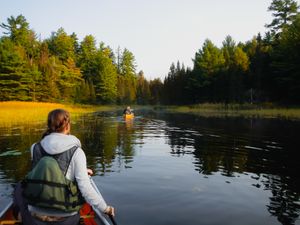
[(112, 219), (97, 190)]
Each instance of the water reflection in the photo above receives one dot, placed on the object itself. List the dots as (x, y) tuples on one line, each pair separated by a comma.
[(254, 156), (233, 150), (107, 141)]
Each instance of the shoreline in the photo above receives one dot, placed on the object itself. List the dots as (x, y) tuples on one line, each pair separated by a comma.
[(237, 110), (17, 112)]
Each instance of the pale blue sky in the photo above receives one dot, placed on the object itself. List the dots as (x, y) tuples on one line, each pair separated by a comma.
[(157, 32)]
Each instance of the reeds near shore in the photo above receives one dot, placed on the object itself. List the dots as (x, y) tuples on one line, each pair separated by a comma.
[(233, 110), (15, 112)]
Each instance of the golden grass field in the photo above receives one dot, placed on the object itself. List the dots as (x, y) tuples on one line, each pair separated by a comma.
[(16, 112)]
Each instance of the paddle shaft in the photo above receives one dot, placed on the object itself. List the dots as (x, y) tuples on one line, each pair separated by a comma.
[(112, 219), (97, 190)]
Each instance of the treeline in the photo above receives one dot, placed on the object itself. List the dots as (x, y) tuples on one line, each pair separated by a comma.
[(264, 69), (60, 68)]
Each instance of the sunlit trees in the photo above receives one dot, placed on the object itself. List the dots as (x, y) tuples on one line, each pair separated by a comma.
[(127, 78), (18, 75), (61, 45), (236, 66), (63, 69), (13, 78), (87, 57), (209, 62), (106, 77)]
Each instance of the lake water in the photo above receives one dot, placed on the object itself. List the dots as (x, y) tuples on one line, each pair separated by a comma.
[(175, 169)]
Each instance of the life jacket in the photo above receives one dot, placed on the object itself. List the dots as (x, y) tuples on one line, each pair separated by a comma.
[(46, 184)]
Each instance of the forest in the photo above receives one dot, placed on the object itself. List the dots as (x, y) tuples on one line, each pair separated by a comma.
[(63, 69)]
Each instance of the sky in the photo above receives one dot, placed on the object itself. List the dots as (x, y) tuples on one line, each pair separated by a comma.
[(157, 32)]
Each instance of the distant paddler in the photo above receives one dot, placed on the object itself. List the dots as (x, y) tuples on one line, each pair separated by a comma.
[(128, 113)]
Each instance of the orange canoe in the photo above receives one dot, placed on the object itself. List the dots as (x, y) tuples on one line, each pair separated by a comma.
[(128, 116), (87, 215)]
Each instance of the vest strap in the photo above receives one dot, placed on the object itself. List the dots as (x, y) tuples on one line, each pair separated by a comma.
[(49, 183)]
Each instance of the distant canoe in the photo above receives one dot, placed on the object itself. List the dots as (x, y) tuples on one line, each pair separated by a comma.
[(87, 214), (128, 116)]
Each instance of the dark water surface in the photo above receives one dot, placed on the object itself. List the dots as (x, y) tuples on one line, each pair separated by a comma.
[(177, 169)]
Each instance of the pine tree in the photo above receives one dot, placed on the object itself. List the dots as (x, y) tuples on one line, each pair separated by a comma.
[(106, 81), (284, 12), (62, 45), (14, 80), (127, 71), (156, 90), (143, 90), (285, 64), (87, 58)]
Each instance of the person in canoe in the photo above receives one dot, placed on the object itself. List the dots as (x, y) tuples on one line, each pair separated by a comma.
[(127, 111), (58, 184)]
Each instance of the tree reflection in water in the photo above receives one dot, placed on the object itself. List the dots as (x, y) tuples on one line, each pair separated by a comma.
[(108, 142), (263, 150), (230, 152)]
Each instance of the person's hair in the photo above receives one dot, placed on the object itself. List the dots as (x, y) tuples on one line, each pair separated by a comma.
[(58, 120)]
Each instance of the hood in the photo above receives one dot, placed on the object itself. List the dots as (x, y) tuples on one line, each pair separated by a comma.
[(56, 143)]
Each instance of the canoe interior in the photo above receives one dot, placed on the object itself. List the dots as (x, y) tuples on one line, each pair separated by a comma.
[(88, 216)]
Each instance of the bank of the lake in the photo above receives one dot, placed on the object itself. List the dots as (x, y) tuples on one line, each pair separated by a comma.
[(17, 112), (237, 110)]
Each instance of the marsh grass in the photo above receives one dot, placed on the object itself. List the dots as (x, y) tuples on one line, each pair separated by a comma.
[(15, 112), (267, 110)]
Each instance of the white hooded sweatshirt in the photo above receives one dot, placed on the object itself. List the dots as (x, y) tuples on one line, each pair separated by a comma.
[(56, 143)]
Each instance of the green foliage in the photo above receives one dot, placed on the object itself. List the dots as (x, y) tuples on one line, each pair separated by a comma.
[(14, 80), (156, 88), (69, 79), (87, 58), (209, 60), (106, 80), (127, 78), (62, 45), (143, 89), (284, 12), (62, 69), (17, 29), (285, 64)]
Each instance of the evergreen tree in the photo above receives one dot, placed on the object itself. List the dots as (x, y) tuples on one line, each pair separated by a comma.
[(14, 81), (35, 87), (106, 81), (127, 93), (209, 60), (70, 78), (62, 45), (236, 66), (17, 29), (87, 58), (156, 89), (284, 12), (143, 90), (208, 63), (257, 79), (285, 65)]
